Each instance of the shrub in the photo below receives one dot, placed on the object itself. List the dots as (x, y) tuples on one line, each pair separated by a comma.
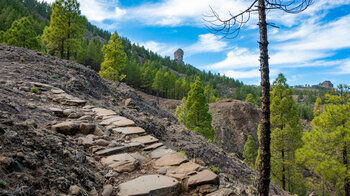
[(215, 170), (34, 90)]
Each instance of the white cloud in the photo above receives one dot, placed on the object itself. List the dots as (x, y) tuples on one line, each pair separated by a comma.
[(160, 48), (344, 67), (236, 59), (253, 73), (206, 43)]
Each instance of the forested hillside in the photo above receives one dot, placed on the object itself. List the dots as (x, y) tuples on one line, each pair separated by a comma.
[(144, 70)]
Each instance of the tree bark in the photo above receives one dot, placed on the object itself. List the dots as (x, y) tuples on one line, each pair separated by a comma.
[(283, 172), (62, 49), (265, 138), (346, 180)]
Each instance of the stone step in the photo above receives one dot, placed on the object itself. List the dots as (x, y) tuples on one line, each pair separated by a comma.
[(173, 159), (121, 162), (111, 120), (203, 177), (129, 130), (150, 185), (159, 152), (124, 123), (147, 139), (126, 148), (153, 146), (103, 112)]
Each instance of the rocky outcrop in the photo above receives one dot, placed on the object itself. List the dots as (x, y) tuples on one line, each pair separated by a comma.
[(179, 55), (326, 84), (233, 121)]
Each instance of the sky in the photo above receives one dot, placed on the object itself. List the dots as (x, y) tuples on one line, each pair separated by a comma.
[(307, 48)]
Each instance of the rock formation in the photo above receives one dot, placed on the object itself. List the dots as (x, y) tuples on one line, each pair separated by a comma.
[(326, 84), (233, 121), (178, 55)]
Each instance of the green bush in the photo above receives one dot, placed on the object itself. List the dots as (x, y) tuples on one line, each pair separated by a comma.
[(215, 170), (34, 90)]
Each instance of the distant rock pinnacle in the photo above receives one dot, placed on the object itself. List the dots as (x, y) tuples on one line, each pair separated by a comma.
[(178, 55)]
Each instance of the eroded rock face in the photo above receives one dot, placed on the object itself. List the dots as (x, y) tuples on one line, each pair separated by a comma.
[(233, 121)]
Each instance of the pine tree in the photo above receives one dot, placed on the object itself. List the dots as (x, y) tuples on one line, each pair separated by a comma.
[(285, 136), (317, 107), (65, 32), (114, 59), (197, 116), (250, 98), (22, 34), (326, 148), (250, 151)]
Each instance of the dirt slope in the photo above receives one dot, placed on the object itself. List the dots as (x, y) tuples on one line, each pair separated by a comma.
[(38, 161)]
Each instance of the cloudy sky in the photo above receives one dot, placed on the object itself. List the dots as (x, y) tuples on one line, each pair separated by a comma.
[(308, 48)]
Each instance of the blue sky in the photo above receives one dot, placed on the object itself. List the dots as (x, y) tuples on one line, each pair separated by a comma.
[(308, 48)]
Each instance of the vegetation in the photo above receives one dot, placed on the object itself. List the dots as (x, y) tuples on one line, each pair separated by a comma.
[(62, 38), (21, 34), (250, 151), (34, 90), (325, 150), (194, 113), (215, 170), (114, 59), (286, 133)]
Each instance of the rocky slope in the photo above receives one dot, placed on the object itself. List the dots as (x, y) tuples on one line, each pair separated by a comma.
[(233, 120), (81, 135)]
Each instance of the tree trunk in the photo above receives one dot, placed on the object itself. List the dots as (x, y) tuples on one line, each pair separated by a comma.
[(265, 138), (283, 172), (62, 49), (346, 180)]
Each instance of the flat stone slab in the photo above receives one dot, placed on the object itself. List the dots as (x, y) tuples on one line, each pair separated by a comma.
[(150, 185), (124, 123), (187, 168), (159, 152), (119, 149), (147, 139), (171, 160), (120, 162), (103, 112), (76, 102), (129, 130), (111, 120), (203, 177), (153, 146)]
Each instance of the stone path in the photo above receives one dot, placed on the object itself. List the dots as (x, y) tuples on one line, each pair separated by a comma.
[(142, 164)]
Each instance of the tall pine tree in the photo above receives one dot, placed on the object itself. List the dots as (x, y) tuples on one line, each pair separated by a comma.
[(65, 32), (22, 34), (285, 136), (197, 116), (250, 151), (114, 59)]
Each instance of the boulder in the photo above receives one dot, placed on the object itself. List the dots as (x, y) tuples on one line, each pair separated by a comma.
[(120, 162), (87, 128), (107, 190), (150, 185), (67, 128)]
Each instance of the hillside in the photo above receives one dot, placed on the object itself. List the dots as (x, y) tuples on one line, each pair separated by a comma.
[(37, 148)]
